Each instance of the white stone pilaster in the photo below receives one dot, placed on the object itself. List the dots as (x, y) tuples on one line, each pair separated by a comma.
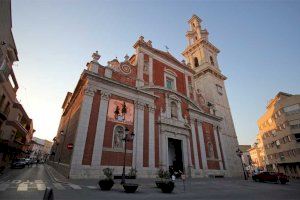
[(163, 151), (202, 146), (151, 137), (150, 71), (185, 153), (187, 86), (82, 128), (98, 144), (195, 149), (223, 146), (139, 135), (140, 70), (218, 147)]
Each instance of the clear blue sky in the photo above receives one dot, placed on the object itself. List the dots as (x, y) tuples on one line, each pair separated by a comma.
[(259, 43)]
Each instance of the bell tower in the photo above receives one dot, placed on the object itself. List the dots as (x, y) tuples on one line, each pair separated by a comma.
[(199, 53), (201, 56)]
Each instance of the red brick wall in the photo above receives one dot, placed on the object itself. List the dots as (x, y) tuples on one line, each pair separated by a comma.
[(212, 164), (198, 144), (115, 158), (89, 143), (158, 73), (101, 71), (208, 133), (146, 138), (69, 124)]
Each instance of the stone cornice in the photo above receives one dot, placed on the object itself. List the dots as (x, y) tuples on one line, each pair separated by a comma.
[(173, 92), (211, 71), (149, 50), (207, 115), (96, 77), (197, 44)]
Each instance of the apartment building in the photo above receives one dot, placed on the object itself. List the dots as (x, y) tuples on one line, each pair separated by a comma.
[(279, 134)]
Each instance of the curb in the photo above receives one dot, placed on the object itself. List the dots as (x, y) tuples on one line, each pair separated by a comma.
[(52, 176)]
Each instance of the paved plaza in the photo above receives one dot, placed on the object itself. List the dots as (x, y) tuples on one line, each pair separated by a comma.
[(30, 183)]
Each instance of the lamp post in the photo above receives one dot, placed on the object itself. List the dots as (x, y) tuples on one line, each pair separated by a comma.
[(239, 153), (127, 138)]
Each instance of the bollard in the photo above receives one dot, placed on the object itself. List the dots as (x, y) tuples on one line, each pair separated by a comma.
[(48, 195)]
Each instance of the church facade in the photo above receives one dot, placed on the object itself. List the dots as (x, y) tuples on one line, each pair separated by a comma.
[(178, 111)]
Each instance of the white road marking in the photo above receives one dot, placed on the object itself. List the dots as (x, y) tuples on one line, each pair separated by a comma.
[(3, 186), (16, 181), (75, 187), (59, 186), (92, 187), (39, 181), (22, 187), (41, 186)]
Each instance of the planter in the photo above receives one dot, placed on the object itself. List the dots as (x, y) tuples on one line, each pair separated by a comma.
[(106, 184), (130, 187), (158, 183), (167, 186)]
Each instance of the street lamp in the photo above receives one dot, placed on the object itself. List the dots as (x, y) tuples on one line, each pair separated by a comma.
[(127, 138), (64, 136), (239, 153)]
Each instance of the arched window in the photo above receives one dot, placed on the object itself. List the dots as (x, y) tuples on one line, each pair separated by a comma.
[(118, 137), (210, 150), (196, 63), (174, 110), (211, 60)]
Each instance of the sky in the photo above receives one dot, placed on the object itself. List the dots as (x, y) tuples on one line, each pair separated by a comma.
[(259, 43)]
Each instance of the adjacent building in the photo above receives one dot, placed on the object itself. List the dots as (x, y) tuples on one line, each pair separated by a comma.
[(40, 149), (177, 110), (278, 140), (16, 127), (245, 156)]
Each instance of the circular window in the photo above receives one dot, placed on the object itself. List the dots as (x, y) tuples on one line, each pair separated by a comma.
[(125, 69)]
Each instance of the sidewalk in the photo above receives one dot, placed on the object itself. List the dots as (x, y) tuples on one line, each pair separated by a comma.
[(54, 175)]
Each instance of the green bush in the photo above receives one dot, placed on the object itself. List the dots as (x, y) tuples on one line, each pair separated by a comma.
[(108, 172)]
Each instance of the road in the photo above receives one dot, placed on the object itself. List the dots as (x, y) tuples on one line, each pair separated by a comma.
[(30, 183)]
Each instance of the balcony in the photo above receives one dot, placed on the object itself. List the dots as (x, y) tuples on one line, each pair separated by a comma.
[(17, 125)]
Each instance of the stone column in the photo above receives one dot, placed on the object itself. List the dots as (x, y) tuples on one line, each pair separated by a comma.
[(151, 137), (202, 146), (139, 137), (98, 144), (218, 147), (82, 128), (195, 149)]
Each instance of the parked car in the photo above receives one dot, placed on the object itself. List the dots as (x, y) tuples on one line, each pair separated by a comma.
[(18, 163), (271, 177)]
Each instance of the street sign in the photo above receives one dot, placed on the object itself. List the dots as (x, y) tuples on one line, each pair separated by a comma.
[(70, 146)]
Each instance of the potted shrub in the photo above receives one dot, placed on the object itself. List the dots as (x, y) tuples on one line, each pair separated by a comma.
[(160, 176), (166, 185), (108, 182), (132, 173), (130, 187)]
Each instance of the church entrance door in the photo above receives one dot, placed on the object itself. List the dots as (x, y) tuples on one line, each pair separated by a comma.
[(175, 156)]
